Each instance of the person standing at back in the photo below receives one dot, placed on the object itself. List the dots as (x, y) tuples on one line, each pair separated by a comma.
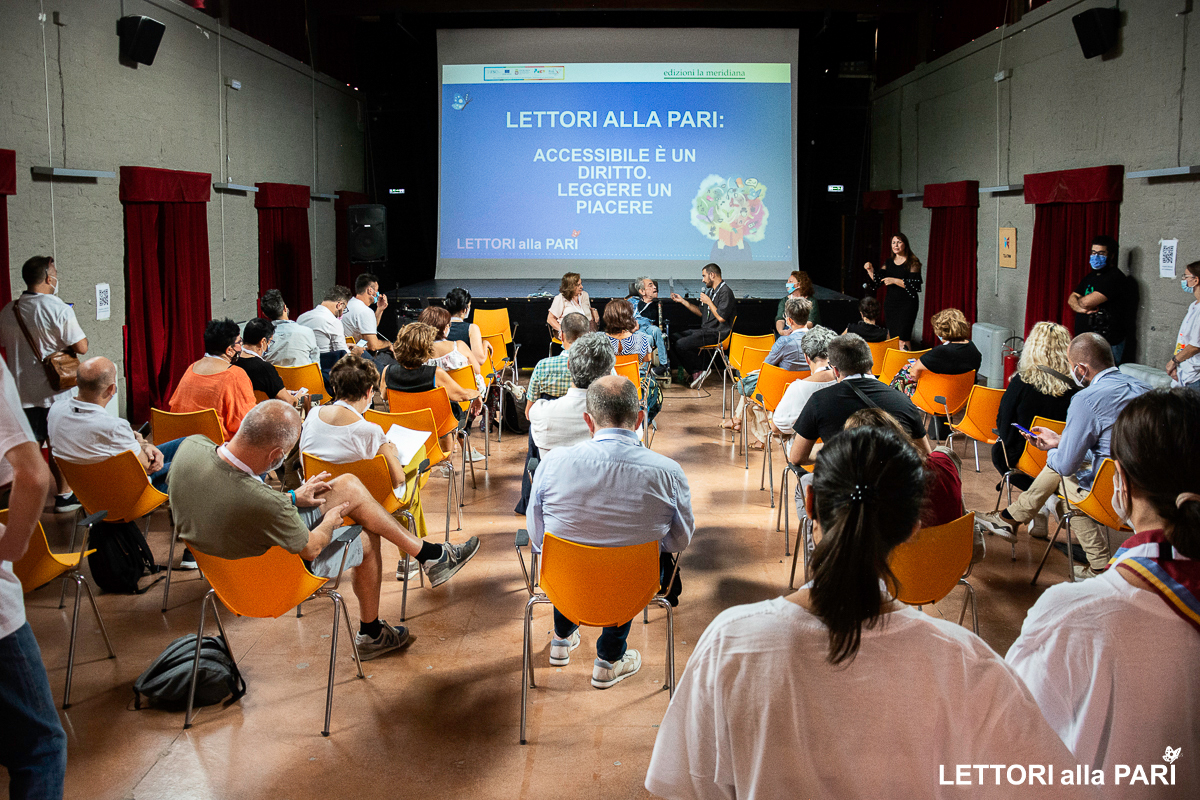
[(49, 327), (1100, 301), (901, 275)]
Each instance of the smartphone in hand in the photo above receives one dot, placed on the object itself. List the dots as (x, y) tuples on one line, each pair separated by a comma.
[(1025, 431)]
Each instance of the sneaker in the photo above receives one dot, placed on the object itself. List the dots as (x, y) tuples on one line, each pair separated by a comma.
[(1082, 573), (605, 674), (1039, 528), (475, 455), (698, 379), (560, 650), (661, 371), (414, 569), (389, 639), (64, 504), (998, 525), (454, 556), (188, 561)]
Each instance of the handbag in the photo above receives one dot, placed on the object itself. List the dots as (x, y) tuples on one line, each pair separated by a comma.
[(61, 366)]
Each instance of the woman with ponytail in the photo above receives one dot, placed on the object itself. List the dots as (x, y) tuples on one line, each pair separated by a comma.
[(1114, 662), (839, 690)]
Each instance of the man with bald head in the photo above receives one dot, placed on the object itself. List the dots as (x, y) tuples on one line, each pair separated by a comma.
[(223, 508), (1076, 454), (609, 492)]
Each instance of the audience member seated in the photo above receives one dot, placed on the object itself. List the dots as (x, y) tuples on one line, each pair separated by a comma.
[(1033, 392), (955, 355), (359, 322), (256, 339), (338, 434), (609, 491), (1073, 457), (212, 382), (449, 354), (816, 351), (293, 344), (787, 353), (412, 373), (775, 691), (458, 303), (626, 339), (865, 326), (643, 296), (571, 299), (222, 508), (326, 324), (798, 285), (1112, 661), (560, 423)]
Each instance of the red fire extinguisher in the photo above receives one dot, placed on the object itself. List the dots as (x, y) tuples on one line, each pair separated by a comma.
[(1012, 356)]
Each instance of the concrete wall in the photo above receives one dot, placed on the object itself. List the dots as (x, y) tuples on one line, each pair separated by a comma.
[(167, 115), (1138, 106)]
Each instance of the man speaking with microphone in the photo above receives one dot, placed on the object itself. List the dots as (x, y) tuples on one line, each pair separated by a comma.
[(716, 311)]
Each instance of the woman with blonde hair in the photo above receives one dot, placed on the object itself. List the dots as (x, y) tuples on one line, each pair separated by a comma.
[(571, 299)]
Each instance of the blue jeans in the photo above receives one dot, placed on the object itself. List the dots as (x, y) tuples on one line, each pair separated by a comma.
[(33, 746), (659, 341), (611, 644), (1118, 352), (159, 478)]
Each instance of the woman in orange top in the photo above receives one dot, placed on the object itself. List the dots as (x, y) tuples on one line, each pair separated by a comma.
[(212, 383)]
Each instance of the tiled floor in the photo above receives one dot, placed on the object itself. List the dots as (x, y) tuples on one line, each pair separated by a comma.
[(441, 718)]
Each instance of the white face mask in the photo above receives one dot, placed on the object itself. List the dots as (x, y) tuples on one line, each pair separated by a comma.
[(277, 464), (1118, 501), (1078, 381), (56, 285)]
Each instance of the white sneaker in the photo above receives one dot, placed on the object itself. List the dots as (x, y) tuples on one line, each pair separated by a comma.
[(414, 569), (560, 650), (475, 455), (605, 674), (1039, 528)]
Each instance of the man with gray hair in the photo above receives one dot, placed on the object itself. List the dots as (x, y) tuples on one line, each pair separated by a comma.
[(559, 423), (815, 345), (223, 508), (643, 296), (610, 492)]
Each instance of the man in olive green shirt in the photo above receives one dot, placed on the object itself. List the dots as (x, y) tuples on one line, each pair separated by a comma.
[(222, 508)]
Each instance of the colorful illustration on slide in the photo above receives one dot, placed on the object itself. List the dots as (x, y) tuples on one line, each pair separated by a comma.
[(731, 211)]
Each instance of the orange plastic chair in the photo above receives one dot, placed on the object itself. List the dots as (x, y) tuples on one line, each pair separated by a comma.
[(1096, 504), (629, 369), (437, 400), (894, 360), (39, 566), (979, 420), (554, 340), (598, 587), (943, 394), (260, 397), (935, 560), (421, 419), (720, 349), (265, 586), (1032, 460), (305, 376), (772, 383), (878, 349), (167, 426), (738, 342), (492, 321), (751, 361), (627, 358), (493, 372)]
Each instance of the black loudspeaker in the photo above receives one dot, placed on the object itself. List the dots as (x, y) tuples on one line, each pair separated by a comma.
[(368, 233), (140, 37), (1097, 30)]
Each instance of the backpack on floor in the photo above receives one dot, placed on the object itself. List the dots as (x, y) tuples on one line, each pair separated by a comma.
[(122, 557), (165, 682)]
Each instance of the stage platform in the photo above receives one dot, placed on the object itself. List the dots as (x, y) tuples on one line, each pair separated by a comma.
[(532, 288)]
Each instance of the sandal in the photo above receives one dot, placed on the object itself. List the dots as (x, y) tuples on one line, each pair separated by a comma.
[(731, 425)]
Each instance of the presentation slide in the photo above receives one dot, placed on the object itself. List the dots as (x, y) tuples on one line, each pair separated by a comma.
[(612, 169)]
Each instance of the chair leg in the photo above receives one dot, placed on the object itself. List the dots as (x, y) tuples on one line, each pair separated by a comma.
[(339, 610), (783, 482), (170, 562), (670, 684), (208, 597), (969, 596), (795, 560), (976, 443), (1049, 547), (524, 572), (75, 576), (500, 406), (457, 508), (769, 464), (527, 664), (404, 591)]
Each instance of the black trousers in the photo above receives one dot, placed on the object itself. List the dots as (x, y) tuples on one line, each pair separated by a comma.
[(1020, 480), (686, 346)]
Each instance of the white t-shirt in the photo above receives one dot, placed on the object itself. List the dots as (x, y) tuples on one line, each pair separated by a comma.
[(760, 713), (359, 319), (793, 401), (326, 328), (560, 306), (84, 433), (1189, 334), (559, 422), (1117, 675), (340, 444), (52, 326), (14, 430)]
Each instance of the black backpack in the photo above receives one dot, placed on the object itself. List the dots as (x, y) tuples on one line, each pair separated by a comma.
[(122, 557), (513, 418), (165, 682)]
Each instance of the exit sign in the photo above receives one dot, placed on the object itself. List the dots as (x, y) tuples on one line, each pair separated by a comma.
[(836, 187)]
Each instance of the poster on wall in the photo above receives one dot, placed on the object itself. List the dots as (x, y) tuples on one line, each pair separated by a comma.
[(1008, 247), (1167, 248)]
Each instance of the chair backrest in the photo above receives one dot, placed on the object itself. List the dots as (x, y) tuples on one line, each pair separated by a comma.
[(738, 342), (894, 360), (599, 586), (1033, 460), (492, 321), (260, 397), (464, 377), (1098, 503), (627, 358), (420, 419), (305, 376), (979, 420), (373, 472), (879, 348), (497, 357), (117, 485), (436, 400), (752, 359), (269, 585), (725, 342), (954, 389), (931, 562), (38, 566), (629, 370), (167, 426), (773, 382)]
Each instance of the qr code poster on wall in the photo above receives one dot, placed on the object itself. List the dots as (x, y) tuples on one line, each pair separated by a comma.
[(103, 301), (1167, 249)]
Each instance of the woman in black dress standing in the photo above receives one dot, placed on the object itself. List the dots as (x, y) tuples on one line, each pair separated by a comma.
[(902, 277)]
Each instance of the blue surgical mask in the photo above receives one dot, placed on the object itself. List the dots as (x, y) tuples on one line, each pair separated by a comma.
[(1183, 284), (791, 287), (1098, 261)]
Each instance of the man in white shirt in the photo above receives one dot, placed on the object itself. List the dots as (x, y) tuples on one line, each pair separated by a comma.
[(359, 321), (52, 328), (33, 747), (560, 422), (325, 323), (293, 344)]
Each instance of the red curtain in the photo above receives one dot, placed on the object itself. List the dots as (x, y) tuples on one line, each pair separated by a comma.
[(8, 185), (345, 270), (284, 249), (166, 280), (1073, 207), (951, 267)]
